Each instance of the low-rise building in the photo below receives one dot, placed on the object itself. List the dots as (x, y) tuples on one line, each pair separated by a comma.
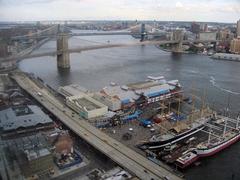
[(21, 119), (38, 161), (235, 46), (225, 35), (86, 106), (32, 155), (205, 36), (120, 97), (72, 90)]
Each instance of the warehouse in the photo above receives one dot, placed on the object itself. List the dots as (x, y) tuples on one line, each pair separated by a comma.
[(86, 106), (72, 90), (21, 119), (120, 97)]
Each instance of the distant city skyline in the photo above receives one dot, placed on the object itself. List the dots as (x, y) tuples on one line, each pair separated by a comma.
[(162, 10)]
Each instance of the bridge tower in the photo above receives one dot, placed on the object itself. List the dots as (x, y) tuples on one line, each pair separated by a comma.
[(63, 59), (143, 32), (177, 36)]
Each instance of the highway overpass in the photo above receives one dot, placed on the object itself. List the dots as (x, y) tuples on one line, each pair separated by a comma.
[(130, 160)]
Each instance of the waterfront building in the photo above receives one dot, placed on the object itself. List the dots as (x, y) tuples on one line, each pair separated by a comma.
[(238, 28), (225, 35), (235, 46), (207, 36), (195, 28), (118, 97), (72, 90), (86, 106), (205, 28)]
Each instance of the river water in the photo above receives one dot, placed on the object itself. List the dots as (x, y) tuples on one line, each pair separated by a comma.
[(197, 73)]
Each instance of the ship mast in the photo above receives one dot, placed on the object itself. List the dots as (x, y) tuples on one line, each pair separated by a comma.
[(228, 106), (225, 127), (169, 107), (178, 112), (209, 136), (203, 102), (193, 104), (237, 123)]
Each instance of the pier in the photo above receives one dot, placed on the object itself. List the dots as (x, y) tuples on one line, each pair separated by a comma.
[(130, 160)]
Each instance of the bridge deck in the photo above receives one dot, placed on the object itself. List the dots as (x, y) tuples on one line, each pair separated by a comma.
[(122, 155), (101, 46)]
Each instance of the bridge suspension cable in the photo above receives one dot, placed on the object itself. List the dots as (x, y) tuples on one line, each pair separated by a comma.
[(36, 33)]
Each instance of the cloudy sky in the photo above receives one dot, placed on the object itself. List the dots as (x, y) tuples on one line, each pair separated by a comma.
[(176, 10)]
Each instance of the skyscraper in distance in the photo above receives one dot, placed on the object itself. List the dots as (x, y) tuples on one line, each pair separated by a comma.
[(238, 28)]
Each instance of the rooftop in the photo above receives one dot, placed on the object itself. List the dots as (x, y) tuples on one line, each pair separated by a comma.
[(86, 102), (72, 90), (22, 116), (148, 88), (35, 154), (120, 92), (89, 105)]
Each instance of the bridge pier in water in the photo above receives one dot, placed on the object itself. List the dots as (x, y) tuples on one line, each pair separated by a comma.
[(177, 36), (143, 31), (63, 59)]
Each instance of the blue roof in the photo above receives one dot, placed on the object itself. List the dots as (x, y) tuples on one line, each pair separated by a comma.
[(132, 116), (158, 93), (125, 101)]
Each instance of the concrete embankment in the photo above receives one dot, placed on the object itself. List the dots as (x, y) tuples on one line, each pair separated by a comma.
[(226, 57)]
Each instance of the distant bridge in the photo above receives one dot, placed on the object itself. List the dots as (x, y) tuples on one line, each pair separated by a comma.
[(87, 48), (62, 52)]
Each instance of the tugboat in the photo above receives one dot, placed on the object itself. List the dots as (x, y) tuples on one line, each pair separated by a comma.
[(186, 159)]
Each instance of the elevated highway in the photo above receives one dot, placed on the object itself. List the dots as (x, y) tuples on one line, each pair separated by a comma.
[(119, 153)]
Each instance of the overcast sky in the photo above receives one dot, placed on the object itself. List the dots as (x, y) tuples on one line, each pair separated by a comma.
[(174, 10)]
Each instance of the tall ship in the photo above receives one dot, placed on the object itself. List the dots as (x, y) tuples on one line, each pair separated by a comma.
[(169, 138), (211, 146)]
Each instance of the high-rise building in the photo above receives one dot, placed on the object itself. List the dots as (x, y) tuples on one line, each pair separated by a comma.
[(235, 46), (225, 35), (205, 28), (195, 28), (238, 28)]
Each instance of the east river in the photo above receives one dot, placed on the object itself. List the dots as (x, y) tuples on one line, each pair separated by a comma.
[(197, 74)]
